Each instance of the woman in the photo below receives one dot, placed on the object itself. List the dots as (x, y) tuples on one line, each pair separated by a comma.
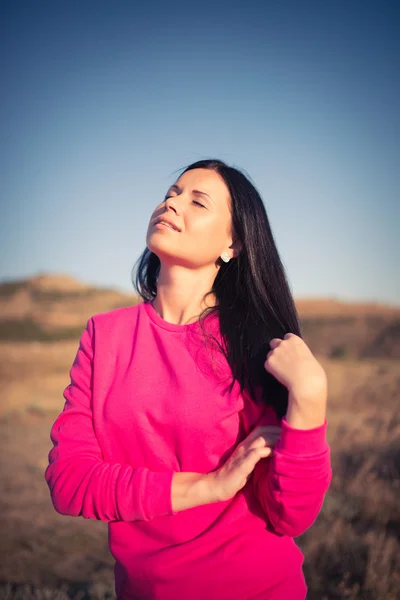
[(195, 421)]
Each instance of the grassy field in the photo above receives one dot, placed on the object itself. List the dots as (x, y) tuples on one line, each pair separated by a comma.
[(352, 551)]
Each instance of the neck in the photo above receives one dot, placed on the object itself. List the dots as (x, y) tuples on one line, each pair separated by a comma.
[(181, 294)]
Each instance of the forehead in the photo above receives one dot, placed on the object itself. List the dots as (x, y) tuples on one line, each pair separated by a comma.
[(205, 180)]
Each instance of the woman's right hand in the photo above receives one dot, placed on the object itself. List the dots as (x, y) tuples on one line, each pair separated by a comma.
[(237, 470)]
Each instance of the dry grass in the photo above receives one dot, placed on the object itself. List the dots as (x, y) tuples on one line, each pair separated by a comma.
[(351, 552), (353, 549)]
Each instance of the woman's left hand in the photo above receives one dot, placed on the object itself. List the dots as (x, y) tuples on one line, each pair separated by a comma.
[(292, 363)]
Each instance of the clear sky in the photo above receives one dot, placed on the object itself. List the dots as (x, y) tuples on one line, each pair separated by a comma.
[(102, 101)]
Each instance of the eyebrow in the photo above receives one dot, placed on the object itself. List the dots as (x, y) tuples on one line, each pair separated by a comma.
[(176, 187)]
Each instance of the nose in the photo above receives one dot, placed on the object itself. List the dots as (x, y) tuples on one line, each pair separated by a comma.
[(170, 203)]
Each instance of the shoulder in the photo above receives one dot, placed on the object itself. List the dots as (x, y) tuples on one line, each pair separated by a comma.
[(116, 315), (115, 322)]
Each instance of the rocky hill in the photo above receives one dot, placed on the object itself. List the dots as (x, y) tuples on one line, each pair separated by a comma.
[(51, 307)]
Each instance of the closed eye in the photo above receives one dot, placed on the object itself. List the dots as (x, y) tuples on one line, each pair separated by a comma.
[(194, 201)]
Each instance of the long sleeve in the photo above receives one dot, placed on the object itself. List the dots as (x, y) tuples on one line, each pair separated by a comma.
[(291, 484), (81, 482)]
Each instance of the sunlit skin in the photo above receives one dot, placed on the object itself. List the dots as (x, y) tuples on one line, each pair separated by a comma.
[(189, 263), (292, 363), (190, 258)]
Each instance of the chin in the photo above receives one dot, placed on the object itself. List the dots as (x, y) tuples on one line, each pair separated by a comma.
[(160, 251)]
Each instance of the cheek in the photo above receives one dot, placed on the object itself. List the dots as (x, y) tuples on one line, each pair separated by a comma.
[(208, 229), (205, 240)]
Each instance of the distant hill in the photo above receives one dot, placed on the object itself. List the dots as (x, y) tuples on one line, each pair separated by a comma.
[(53, 307), (50, 307)]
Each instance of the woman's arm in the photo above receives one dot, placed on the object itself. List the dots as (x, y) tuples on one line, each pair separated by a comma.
[(192, 489), (81, 483), (291, 484)]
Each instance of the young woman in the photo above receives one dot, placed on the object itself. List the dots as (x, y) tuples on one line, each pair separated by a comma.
[(195, 421)]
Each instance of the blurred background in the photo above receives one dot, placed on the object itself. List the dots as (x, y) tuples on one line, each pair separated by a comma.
[(102, 105)]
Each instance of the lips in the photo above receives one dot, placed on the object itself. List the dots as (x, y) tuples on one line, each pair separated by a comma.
[(167, 222)]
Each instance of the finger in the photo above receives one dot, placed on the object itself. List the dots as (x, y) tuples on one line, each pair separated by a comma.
[(275, 342), (264, 432), (260, 454), (259, 442), (264, 441), (256, 453), (265, 452), (269, 443), (289, 335)]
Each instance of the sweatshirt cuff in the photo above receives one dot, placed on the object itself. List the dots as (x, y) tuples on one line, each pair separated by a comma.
[(302, 441), (156, 498)]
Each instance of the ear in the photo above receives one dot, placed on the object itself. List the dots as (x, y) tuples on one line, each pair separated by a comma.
[(236, 247)]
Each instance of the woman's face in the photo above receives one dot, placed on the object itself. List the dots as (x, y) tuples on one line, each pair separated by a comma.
[(198, 204)]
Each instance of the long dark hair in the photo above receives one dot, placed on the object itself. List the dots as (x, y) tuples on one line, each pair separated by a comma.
[(254, 301)]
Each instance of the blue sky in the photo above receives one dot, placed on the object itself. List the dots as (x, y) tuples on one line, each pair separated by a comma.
[(103, 101)]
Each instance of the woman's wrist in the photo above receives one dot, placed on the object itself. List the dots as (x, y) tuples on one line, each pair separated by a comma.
[(192, 489)]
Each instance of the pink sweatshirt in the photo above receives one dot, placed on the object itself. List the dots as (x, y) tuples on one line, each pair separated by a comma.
[(147, 399)]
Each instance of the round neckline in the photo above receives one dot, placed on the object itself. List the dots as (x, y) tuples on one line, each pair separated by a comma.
[(155, 317)]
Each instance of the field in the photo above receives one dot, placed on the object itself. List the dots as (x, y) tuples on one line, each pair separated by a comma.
[(351, 552)]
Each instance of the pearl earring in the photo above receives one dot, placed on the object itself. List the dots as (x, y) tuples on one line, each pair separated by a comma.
[(225, 257)]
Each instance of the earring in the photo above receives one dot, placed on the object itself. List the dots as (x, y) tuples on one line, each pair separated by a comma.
[(225, 257)]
